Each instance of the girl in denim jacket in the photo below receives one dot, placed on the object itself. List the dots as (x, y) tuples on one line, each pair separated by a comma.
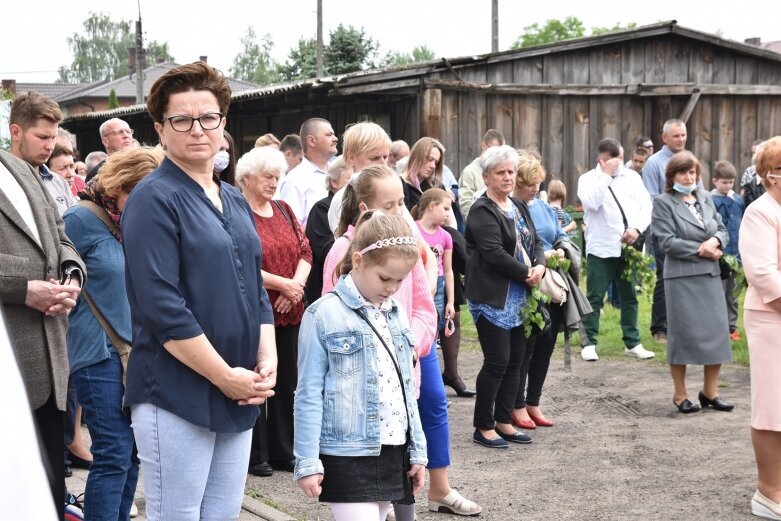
[(359, 443)]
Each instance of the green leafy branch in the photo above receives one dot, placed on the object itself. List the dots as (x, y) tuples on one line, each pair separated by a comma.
[(556, 262), (740, 276), (637, 267), (530, 312)]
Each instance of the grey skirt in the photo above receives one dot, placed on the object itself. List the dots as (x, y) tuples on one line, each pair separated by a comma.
[(697, 321)]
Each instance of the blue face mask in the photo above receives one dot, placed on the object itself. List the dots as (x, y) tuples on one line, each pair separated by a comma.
[(683, 189)]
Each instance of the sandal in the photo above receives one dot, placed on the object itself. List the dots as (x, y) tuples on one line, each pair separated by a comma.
[(455, 503)]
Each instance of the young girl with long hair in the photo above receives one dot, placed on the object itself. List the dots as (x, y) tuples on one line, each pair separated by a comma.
[(359, 443)]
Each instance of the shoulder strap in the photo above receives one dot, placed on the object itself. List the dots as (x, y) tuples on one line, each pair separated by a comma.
[(101, 214), (284, 212), (623, 215)]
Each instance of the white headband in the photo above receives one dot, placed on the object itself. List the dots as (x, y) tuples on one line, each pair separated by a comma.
[(393, 241)]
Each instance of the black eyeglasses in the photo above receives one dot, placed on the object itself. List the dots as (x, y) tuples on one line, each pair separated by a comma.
[(208, 121)]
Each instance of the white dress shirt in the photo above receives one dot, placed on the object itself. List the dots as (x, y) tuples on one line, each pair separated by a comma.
[(601, 214), (301, 188)]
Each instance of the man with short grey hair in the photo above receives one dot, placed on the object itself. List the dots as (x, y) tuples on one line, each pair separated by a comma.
[(471, 181), (399, 150), (93, 158), (116, 135)]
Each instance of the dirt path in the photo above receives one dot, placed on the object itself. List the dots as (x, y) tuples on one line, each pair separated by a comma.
[(619, 451)]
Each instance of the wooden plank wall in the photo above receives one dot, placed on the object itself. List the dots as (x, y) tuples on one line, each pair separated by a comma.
[(566, 129)]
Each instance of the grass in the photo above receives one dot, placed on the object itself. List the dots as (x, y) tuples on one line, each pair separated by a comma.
[(610, 343)]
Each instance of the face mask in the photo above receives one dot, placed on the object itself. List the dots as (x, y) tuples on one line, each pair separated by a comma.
[(221, 160), (683, 189)]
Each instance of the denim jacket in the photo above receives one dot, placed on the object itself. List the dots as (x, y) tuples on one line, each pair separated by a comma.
[(337, 399)]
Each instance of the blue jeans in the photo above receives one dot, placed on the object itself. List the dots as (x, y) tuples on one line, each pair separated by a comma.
[(113, 475), (439, 303), (190, 472)]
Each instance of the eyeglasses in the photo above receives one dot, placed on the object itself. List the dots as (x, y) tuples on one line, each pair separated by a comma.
[(122, 132), (208, 121)]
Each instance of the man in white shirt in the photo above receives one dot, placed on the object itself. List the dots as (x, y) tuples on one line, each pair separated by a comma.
[(616, 210), (471, 184), (303, 186)]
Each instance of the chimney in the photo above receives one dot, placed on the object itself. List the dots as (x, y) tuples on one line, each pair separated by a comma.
[(10, 86), (203, 59), (753, 41), (160, 59)]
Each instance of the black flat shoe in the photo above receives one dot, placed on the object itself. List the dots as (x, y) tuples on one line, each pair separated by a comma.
[(495, 443), (717, 403), (263, 470), (459, 387), (516, 437), (77, 462), (686, 406)]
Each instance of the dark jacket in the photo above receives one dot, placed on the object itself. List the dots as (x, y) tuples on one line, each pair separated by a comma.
[(321, 238), (490, 241), (460, 259)]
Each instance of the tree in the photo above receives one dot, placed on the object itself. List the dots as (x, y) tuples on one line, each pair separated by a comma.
[(254, 63), (348, 50), (301, 61), (100, 50), (113, 101), (596, 31), (421, 53), (552, 31)]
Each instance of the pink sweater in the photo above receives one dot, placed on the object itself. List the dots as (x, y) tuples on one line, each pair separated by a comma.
[(413, 297)]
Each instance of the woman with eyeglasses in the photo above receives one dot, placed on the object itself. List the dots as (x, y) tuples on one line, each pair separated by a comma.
[(204, 354)]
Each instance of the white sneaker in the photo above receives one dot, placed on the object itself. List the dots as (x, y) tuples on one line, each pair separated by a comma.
[(133, 510), (639, 352), (589, 353)]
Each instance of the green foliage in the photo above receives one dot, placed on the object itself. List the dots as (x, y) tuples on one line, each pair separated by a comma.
[(530, 312), (113, 101), (349, 50), (301, 61), (555, 30), (255, 63), (740, 276), (555, 262), (596, 31), (421, 53), (100, 50), (637, 267)]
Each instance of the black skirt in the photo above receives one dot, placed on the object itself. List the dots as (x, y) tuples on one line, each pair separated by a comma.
[(362, 479)]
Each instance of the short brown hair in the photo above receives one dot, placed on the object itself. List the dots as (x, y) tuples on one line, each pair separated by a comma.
[(680, 162), (493, 135), (29, 107), (768, 157), (57, 152), (309, 128), (642, 152), (724, 170), (193, 76), (124, 169)]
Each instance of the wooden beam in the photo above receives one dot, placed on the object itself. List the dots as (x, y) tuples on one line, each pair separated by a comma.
[(373, 87), (432, 113), (642, 89), (687, 112)]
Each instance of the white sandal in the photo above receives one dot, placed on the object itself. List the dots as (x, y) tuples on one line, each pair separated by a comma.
[(455, 503)]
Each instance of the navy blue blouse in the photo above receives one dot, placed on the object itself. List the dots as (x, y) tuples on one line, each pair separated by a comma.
[(191, 270)]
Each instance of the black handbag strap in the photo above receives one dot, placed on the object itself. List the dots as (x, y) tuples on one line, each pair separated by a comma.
[(284, 212), (623, 215)]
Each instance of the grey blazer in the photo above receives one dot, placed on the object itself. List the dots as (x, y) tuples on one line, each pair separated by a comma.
[(38, 340), (678, 234)]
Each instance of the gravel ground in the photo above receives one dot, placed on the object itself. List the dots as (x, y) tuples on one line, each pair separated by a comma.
[(619, 451)]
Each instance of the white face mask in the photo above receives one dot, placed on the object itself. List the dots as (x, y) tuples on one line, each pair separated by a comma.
[(221, 160)]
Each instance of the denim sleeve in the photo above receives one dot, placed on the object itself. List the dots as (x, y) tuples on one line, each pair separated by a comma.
[(308, 408), (150, 232)]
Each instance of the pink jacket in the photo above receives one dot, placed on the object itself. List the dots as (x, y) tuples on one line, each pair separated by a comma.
[(760, 251), (413, 296)]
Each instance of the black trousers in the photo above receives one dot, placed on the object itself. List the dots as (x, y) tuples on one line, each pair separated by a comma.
[(272, 436), (50, 428), (536, 361), (658, 307), (497, 381)]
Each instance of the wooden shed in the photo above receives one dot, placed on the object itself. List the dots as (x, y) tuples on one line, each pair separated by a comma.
[(559, 99)]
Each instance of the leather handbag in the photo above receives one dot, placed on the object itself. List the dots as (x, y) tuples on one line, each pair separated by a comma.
[(553, 285)]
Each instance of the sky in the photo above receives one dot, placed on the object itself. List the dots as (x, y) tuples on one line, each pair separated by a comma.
[(35, 39)]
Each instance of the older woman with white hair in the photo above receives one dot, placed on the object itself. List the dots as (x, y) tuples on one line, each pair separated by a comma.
[(287, 260)]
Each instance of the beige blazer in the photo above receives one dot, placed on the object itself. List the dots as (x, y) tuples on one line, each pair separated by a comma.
[(760, 251), (38, 340)]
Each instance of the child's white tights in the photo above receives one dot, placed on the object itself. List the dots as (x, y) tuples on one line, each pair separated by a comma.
[(360, 511)]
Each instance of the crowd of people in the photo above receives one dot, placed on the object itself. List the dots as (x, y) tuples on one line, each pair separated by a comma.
[(210, 314)]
